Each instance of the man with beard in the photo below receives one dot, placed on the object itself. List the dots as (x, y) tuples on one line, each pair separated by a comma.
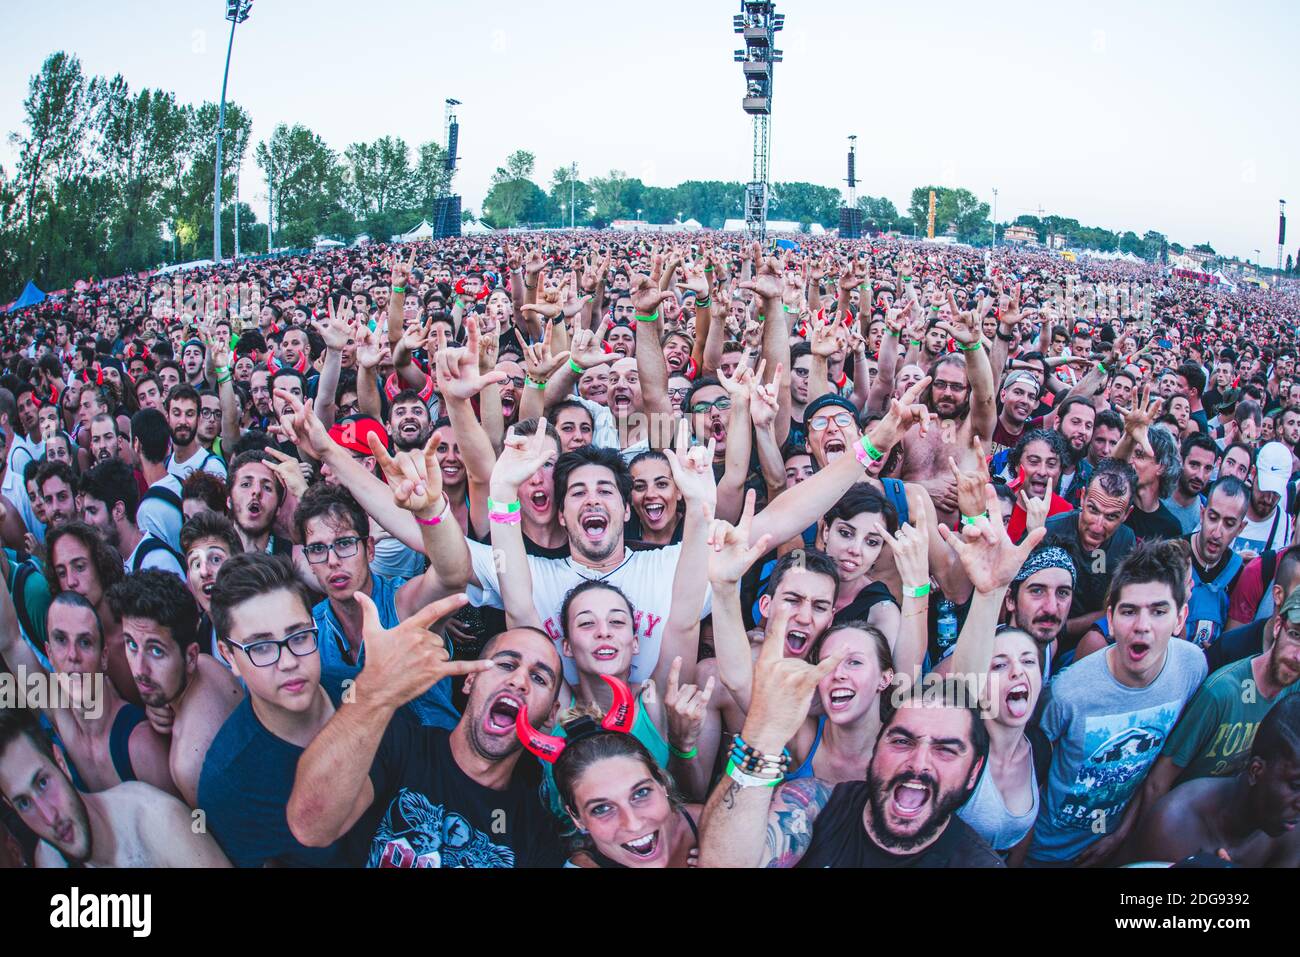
[(110, 500), (1106, 433), (1109, 715), (926, 761), (105, 441), (1247, 817), (455, 798), (58, 490), (1214, 736), (130, 825), (1215, 566), (1076, 419), (1200, 455), (1119, 394), (259, 386), (182, 408), (160, 628), (106, 738), (960, 394), (1153, 452), (1098, 534), (1268, 526), (409, 425)]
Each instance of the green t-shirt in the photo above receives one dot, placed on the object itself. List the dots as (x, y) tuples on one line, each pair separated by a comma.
[(1216, 732), (34, 601)]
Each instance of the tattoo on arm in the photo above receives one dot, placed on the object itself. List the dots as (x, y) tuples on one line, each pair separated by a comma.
[(790, 823)]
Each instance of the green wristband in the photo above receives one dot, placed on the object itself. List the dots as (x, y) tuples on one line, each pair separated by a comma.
[(916, 342), (223, 381), (684, 755), (534, 384), (654, 318), (509, 509), (972, 519), (703, 303), (401, 290), (1101, 367), (896, 335), (975, 347), (918, 592), (576, 369)]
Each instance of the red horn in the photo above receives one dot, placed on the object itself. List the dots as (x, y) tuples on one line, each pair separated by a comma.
[(545, 746), (622, 713)]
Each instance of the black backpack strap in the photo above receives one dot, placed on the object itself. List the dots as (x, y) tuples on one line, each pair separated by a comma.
[(148, 546), (163, 495), (18, 590)]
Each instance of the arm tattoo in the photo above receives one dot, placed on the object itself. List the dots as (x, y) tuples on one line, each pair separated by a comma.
[(790, 823), (729, 795)]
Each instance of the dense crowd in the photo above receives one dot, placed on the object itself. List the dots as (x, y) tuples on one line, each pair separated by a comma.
[(592, 550)]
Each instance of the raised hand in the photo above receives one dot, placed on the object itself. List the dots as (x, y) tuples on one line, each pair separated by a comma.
[(1036, 509), (824, 339), (415, 479), (336, 329), (402, 270), (692, 470), (970, 484), (732, 555), (911, 548), (962, 326), (764, 400), (288, 470), (521, 457), (539, 361), (990, 558), (686, 707), (646, 296), (407, 660), (587, 348), (767, 281), (783, 687)]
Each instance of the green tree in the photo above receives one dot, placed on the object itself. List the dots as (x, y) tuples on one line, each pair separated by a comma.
[(616, 196), (429, 178), (308, 181), (568, 190), (880, 213), (1154, 245), (959, 208), (805, 203)]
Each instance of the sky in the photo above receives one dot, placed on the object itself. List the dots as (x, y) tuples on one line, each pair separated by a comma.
[(1129, 115)]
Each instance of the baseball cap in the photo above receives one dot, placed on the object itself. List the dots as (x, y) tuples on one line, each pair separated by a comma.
[(828, 399), (1273, 468), (353, 434), (1022, 376), (1290, 609)]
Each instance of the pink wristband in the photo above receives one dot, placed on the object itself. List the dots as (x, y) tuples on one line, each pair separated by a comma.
[(505, 518), (434, 522)]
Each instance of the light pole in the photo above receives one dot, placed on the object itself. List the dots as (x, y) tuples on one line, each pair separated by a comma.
[(638, 219), (573, 185), (237, 12), (995, 217)]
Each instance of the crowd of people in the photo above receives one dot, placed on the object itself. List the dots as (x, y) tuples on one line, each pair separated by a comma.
[(592, 550)]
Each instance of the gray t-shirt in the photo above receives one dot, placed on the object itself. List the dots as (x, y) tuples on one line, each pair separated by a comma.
[(1189, 516), (1105, 737)]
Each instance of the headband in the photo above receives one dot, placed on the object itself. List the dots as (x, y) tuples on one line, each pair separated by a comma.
[(620, 717), (1041, 559)]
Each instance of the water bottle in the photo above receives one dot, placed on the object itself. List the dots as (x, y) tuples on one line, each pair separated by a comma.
[(947, 625)]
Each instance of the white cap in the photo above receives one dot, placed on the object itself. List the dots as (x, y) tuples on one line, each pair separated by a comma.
[(1273, 468)]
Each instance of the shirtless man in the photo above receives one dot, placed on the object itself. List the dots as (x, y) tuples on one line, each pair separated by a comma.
[(159, 625), (1249, 818), (961, 396), (107, 738), (129, 825)]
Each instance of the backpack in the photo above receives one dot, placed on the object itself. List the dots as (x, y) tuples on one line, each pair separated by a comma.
[(18, 590), (162, 495), (149, 545)]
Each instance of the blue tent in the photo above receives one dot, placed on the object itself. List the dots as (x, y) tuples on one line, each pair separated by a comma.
[(30, 297)]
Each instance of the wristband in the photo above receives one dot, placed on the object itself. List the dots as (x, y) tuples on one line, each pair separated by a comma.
[(751, 780), (400, 290), (896, 335), (577, 369), (502, 518), (971, 519), (704, 303), (534, 384), (223, 380), (975, 347), (1005, 338), (866, 452), (918, 592), (434, 522), (1101, 367), (653, 318), (916, 342), (907, 279), (507, 508), (785, 308), (684, 755), (222, 370), (708, 269)]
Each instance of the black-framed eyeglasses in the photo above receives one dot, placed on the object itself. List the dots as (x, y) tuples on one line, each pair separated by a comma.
[(209, 413), (344, 547), (842, 419), (679, 393), (264, 654), (721, 404), (515, 381)]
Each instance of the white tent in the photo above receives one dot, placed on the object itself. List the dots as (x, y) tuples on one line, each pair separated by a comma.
[(775, 226), (327, 244), (423, 231), (184, 267), (474, 228)]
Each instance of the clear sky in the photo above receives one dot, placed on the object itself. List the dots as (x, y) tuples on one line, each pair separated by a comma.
[(1130, 115)]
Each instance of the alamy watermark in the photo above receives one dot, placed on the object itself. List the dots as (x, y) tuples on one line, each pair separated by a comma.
[(41, 689)]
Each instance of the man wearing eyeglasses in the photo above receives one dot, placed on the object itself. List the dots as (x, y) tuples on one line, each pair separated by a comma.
[(709, 406), (335, 532), (265, 630)]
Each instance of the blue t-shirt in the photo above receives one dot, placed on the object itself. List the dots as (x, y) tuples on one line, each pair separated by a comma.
[(244, 790), (433, 709)]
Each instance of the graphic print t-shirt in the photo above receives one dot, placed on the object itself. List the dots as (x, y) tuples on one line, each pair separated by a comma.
[(1105, 738), (431, 814)]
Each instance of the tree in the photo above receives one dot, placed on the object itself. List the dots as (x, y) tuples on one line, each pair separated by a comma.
[(1288, 263), (880, 213), (514, 198), (953, 207), (1203, 248), (566, 191), (308, 182), (1132, 244), (805, 203), (430, 177), (1155, 245), (616, 196)]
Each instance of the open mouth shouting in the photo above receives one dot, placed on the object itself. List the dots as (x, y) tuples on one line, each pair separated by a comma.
[(655, 513), (539, 501), (594, 524), (1017, 700), (620, 399), (797, 643), (507, 405), (500, 717), (834, 446), (646, 848), (1137, 651), (841, 699), (909, 797)]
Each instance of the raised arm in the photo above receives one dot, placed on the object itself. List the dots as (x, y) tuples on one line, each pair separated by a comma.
[(520, 459), (332, 787), (650, 361)]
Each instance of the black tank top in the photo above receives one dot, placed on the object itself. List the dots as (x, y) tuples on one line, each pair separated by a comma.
[(840, 839)]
